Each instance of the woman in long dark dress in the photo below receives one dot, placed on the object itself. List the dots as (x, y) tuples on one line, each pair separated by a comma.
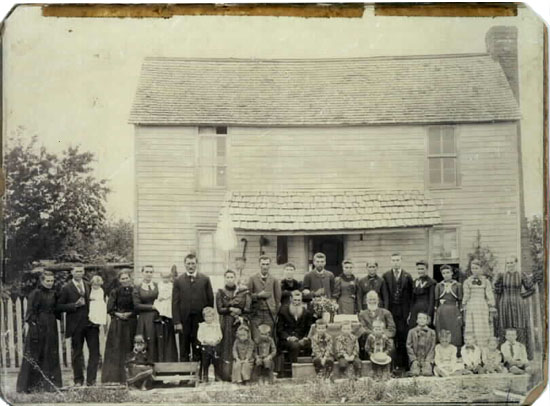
[(448, 302), (148, 324), (423, 295), (40, 369), (233, 305), (345, 290), (122, 330), (513, 311)]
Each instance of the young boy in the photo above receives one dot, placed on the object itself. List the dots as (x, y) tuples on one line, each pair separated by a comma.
[(265, 353), (492, 357), (322, 351), (243, 355), (209, 335), (446, 362), (514, 353), (289, 283), (347, 352), (139, 369), (471, 356), (379, 347), (421, 347)]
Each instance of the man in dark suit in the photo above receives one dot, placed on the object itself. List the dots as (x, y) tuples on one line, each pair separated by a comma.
[(74, 300), (399, 285), (371, 282), (293, 325), (192, 292)]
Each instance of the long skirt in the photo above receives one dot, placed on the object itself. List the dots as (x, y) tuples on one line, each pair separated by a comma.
[(119, 344), (448, 317), (477, 321), (40, 370), (165, 340), (146, 328), (225, 348)]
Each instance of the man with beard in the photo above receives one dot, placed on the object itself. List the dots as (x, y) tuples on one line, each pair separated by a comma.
[(399, 286), (369, 315), (293, 326), (319, 281), (371, 282)]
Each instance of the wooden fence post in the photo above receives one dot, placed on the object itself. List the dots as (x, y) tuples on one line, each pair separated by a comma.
[(19, 327), (11, 334), (2, 334)]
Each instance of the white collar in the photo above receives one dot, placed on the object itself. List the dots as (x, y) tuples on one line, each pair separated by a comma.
[(148, 285), (191, 274), (398, 271)]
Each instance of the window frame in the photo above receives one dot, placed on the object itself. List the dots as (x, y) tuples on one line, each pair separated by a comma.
[(207, 229), (198, 166), (443, 228), (455, 155)]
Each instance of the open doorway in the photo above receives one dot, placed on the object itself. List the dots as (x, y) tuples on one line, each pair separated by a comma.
[(333, 247)]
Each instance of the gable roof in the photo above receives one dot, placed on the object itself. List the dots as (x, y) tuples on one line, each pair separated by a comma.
[(330, 210), (323, 92)]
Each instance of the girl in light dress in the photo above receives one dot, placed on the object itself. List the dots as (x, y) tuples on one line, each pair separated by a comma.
[(98, 306)]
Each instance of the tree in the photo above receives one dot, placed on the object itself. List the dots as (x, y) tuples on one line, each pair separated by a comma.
[(51, 200), (484, 255), (536, 248)]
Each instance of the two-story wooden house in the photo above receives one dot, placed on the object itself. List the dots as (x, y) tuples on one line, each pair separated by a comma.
[(357, 158)]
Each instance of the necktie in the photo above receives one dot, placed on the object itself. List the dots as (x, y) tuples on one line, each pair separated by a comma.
[(512, 350), (396, 274), (80, 289)]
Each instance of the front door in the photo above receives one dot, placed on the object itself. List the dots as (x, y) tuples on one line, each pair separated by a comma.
[(333, 247)]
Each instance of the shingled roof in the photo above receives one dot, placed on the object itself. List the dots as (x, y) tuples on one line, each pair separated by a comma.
[(326, 92), (321, 210)]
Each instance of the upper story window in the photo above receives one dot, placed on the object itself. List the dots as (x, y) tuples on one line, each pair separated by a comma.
[(212, 162), (442, 157), (211, 258)]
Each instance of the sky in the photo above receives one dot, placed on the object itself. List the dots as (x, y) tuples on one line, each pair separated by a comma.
[(71, 81)]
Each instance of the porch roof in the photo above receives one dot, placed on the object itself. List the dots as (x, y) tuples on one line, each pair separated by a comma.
[(330, 210)]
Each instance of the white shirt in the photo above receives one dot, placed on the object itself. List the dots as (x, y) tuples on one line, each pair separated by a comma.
[(396, 274), (80, 286)]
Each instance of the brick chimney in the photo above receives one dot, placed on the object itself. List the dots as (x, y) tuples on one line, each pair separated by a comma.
[(502, 45)]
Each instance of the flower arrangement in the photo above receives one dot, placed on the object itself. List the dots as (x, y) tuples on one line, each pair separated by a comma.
[(324, 305)]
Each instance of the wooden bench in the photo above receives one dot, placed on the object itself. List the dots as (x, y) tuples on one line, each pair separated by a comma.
[(306, 370), (176, 372)]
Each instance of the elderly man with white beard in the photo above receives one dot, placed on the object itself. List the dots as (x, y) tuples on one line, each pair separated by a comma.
[(369, 315), (293, 326)]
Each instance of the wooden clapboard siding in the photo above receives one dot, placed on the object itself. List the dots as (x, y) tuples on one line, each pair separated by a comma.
[(170, 208), (411, 244), (488, 196), (327, 158)]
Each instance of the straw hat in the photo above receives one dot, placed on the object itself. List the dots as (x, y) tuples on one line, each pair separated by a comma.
[(380, 358)]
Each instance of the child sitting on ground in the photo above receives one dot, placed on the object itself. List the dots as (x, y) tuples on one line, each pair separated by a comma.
[(492, 357), (378, 348), (265, 353), (421, 347), (243, 355), (209, 335), (471, 356), (446, 362), (321, 350), (138, 369), (514, 353), (347, 352), (163, 303), (98, 308)]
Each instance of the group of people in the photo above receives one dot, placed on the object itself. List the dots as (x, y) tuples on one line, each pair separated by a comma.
[(255, 325)]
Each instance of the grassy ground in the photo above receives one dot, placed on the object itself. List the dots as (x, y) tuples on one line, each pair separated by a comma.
[(365, 390)]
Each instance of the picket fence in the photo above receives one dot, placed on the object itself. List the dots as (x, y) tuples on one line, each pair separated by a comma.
[(12, 328)]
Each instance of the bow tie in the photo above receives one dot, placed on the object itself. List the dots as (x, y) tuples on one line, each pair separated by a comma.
[(372, 276), (470, 347), (476, 281)]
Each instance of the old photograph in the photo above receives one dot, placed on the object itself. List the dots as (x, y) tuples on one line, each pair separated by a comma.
[(273, 204)]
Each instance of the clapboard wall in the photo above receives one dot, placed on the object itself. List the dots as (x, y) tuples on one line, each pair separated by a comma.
[(170, 208)]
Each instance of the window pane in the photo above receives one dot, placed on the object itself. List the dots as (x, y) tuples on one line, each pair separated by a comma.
[(449, 170), (220, 176), (221, 130), (448, 140), (451, 249), (434, 141), (220, 146), (435, 171), (444, 244), (437, 243)]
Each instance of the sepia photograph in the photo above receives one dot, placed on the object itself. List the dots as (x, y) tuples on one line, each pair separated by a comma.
[(274, 204)]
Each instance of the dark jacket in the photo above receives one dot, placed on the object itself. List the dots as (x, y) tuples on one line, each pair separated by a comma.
[(287, 287), (190, 297), (77, 317), (398, 293), (288, 326), (365, 285)]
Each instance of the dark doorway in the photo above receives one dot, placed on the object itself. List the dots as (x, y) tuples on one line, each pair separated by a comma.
[(333, 247)]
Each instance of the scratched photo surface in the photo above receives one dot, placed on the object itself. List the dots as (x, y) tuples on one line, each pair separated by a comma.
[(318, 204)]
